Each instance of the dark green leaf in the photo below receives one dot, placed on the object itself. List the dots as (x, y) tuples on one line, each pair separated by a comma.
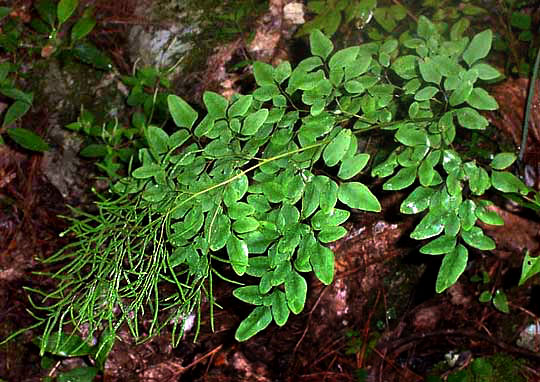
[(241, 106), (263, 73), (182, 113), (529, 268), (475, 238), (245, 224), (452, 267), (461, 93), (66, 345), (65, 9), (328, 194), (500, 302), (403, 179), (280, 309), (344, 57), (411, 136), (337, 148), (90, 54), (322, 261), (417, 201), (94, 150), (82, 27), (27, 139), (258, 320), (503, 160), (467, 214), (157, 139), (405, 66), (15, 111), (238, 254), (254, 121), (439, 246), (471, 119), (431, 225), (330, 234), (426, 93), (295, 291), (357, 195), (78, 374), (507, 182), (352, 166), (215, 104), (220, 233), (249, 294)]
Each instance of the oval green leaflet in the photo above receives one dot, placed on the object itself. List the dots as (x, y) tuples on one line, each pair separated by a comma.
[(357, 195), (452, 267), (258, 320)]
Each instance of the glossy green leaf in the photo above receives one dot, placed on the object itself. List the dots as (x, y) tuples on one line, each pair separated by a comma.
[(481, 100), (503, 160), (330, 234), (65, 9), (245, 224), (426, 93), (254, 121), (15, 111), (439, 246), (280, 309), (238, 254), (431, 225), (182, 113), (263, 73), (310, 199), (337, 148), (66, 345), (357, 195), (403, 179), (322, 262), (479, 47), (475, 238), (453, 265), (249, 294), (216, 104), (487, 215), (257, 266), (411, 136), (258, 320), (241, 106), (344, 57), (104, 347), (83, 27), (296, 292), (529, 268), (471, 119), (27, 139), (417, 201), (328, 195), (507, 182), (500, 302), (320, 44), (352, 166), (220, 233), (467, 214)]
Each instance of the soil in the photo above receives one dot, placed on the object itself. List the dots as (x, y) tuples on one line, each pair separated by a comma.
[(380, 320)]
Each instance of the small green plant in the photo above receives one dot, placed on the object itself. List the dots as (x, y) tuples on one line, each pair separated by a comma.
[(258, 186), (60, 346), (18, 40)]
